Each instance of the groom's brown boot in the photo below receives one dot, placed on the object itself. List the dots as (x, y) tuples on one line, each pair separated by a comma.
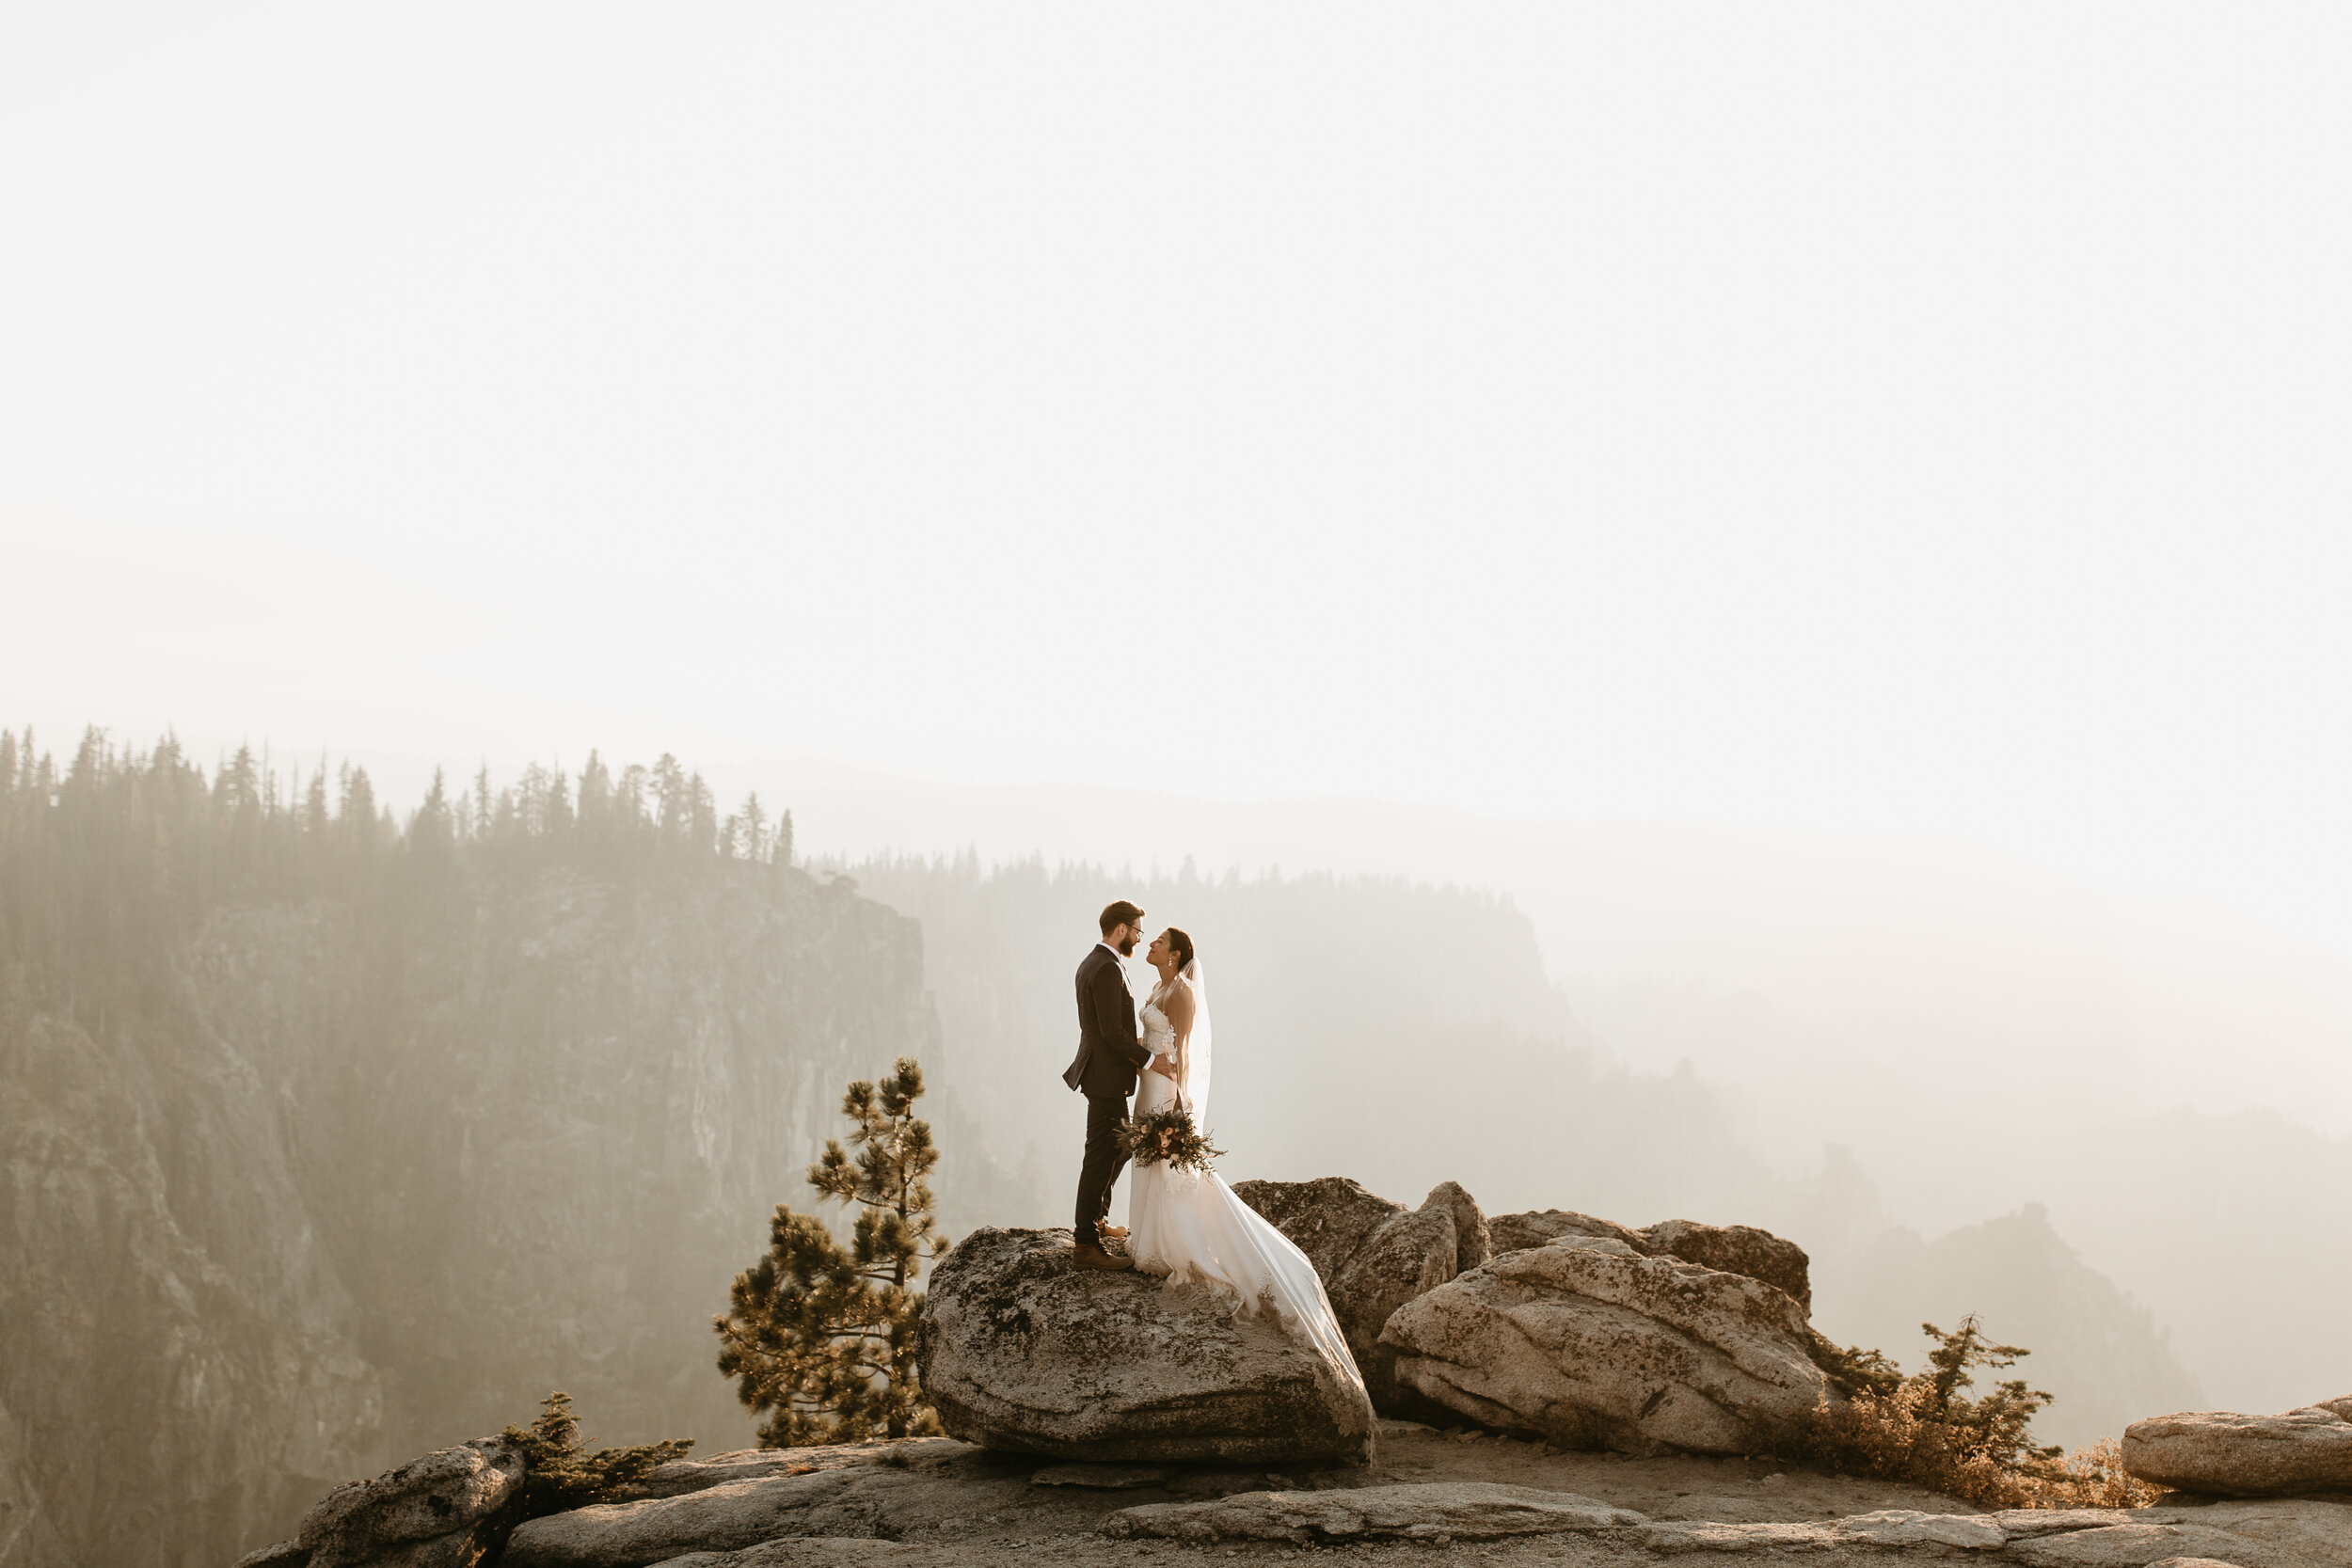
[(1091, 1257)]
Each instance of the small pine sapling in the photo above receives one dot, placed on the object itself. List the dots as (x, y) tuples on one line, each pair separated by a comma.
[(821, 1338), (562, 1474), (1925, 1429)]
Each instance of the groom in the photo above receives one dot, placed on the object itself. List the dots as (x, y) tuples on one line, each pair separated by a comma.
[(1105, 1073)]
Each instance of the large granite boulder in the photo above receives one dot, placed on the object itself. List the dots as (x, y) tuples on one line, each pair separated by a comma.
[(1374, 1256), (2221, 1453), (443, 1509), (1024, 1350), (1728, 1248), (1594, 1345)]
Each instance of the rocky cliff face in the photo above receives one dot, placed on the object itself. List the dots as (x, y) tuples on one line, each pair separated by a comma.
[(338, 1166)]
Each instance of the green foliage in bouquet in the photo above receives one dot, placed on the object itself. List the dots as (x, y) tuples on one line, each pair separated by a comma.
[(1167, 1137), (821, 1338)]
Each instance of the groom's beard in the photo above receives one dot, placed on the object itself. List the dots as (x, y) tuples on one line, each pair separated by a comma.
[(1127, 948)]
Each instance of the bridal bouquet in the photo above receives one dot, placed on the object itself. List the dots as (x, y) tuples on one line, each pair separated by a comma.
[(1167, 1137)]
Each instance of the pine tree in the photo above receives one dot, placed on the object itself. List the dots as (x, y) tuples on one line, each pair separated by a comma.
[(1998, 1422), (563, 1474), (821, 1338)]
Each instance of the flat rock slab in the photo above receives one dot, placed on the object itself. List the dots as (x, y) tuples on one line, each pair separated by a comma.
[(1025, 1351), (1113, 1478), (836, 1551), (851, 1501), (2279, 1534), (2137, 1544), (1457, 1510), (1893, 1529), (2222, 1454), (2252, 1532), (1224, 1484), (2245, 1535), (681, 1475)]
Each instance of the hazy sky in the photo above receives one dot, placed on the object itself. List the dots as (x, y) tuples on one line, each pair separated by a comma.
[(1928, 421)]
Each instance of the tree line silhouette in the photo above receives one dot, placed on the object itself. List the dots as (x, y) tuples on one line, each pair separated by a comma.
[(107, 861)]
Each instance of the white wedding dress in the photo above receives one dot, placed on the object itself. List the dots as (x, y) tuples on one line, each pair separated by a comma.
[(1188, 1226)]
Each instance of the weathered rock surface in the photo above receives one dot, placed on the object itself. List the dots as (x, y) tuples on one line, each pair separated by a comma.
[(1374, 1256), (722, 1518), (2252, 1533), (846, 1551), (440, 1509), (1731, 1249), (2271, 1535), (681, 1475), (1539, 1227), (1462, 1511), (2222, 1454), (938, 1503), (1737, 1249), (1594, 1345), (1104, 1477), (1022, 1349)]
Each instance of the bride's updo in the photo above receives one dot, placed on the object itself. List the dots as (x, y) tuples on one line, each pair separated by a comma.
[(1182, 944)]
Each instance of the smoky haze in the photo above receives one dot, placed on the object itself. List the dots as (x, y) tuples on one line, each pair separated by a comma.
[(1818, 418), (1776, 574)]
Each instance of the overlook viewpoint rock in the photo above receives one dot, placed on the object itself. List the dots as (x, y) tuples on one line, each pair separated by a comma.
[(939, 1503), (1591, 1335), (1024, 1350)]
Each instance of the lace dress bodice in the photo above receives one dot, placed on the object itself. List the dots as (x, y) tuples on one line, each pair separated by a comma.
[(1159, 1037)]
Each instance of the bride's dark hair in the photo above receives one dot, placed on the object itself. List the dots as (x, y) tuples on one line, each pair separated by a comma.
[(1183, 944)]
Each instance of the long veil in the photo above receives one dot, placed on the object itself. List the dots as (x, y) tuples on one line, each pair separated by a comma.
[(1197, 1057), (1188, 1226)]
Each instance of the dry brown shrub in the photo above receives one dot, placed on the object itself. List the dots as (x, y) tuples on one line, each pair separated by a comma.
[(2091, 1476), (1925, 1430), (1889, 1437)]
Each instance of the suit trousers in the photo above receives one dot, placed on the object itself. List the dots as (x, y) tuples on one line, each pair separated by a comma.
[(1105, 1114)]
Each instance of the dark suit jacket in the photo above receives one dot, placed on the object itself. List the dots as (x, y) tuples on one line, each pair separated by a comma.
[(1109, 1050)]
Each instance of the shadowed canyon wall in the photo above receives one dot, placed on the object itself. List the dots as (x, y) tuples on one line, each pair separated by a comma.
[(324, 1145)]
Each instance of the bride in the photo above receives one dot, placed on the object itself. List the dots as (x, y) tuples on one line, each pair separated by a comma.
[(1186, 1223)]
